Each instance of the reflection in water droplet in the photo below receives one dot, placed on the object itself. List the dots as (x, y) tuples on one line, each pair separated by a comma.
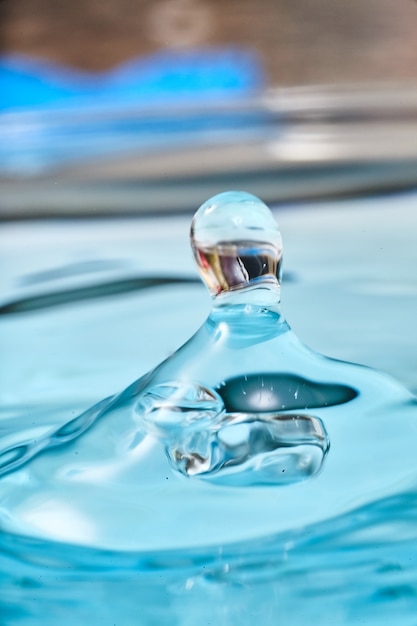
[(226, 266)]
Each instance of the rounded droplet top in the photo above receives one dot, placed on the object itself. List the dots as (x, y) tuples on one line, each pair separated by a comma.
[(236, 243)]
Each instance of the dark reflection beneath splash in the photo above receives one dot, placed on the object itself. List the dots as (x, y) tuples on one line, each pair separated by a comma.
[(279, 392)]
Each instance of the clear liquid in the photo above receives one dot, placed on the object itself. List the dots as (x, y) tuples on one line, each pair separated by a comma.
[(101, 513), (343, 552)]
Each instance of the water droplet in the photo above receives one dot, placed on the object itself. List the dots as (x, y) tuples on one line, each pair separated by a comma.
[(236, 243)]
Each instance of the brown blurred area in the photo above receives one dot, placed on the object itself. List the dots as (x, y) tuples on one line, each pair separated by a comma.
[(300, 41)]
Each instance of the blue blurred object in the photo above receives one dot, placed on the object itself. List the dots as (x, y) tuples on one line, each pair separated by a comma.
[(168, 76), (52, 116), (161, 133)]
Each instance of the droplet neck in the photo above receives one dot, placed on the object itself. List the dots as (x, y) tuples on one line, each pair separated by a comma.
[(244, 324), (253, 299)]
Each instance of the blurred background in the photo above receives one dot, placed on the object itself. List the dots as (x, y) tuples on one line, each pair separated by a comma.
[(136, 107), (302, 42)]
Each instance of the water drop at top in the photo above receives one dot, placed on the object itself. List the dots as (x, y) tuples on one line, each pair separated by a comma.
[(237, 244)]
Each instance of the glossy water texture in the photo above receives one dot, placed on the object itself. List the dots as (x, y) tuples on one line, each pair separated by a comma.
[(244, 479)]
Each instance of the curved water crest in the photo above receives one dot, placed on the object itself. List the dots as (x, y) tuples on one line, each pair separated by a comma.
[(243, 454)]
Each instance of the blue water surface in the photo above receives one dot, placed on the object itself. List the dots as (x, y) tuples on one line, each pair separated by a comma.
[(339, 548)]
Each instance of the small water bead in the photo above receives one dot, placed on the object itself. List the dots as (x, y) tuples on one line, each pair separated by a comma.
[(236, 243), (169, 407)]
